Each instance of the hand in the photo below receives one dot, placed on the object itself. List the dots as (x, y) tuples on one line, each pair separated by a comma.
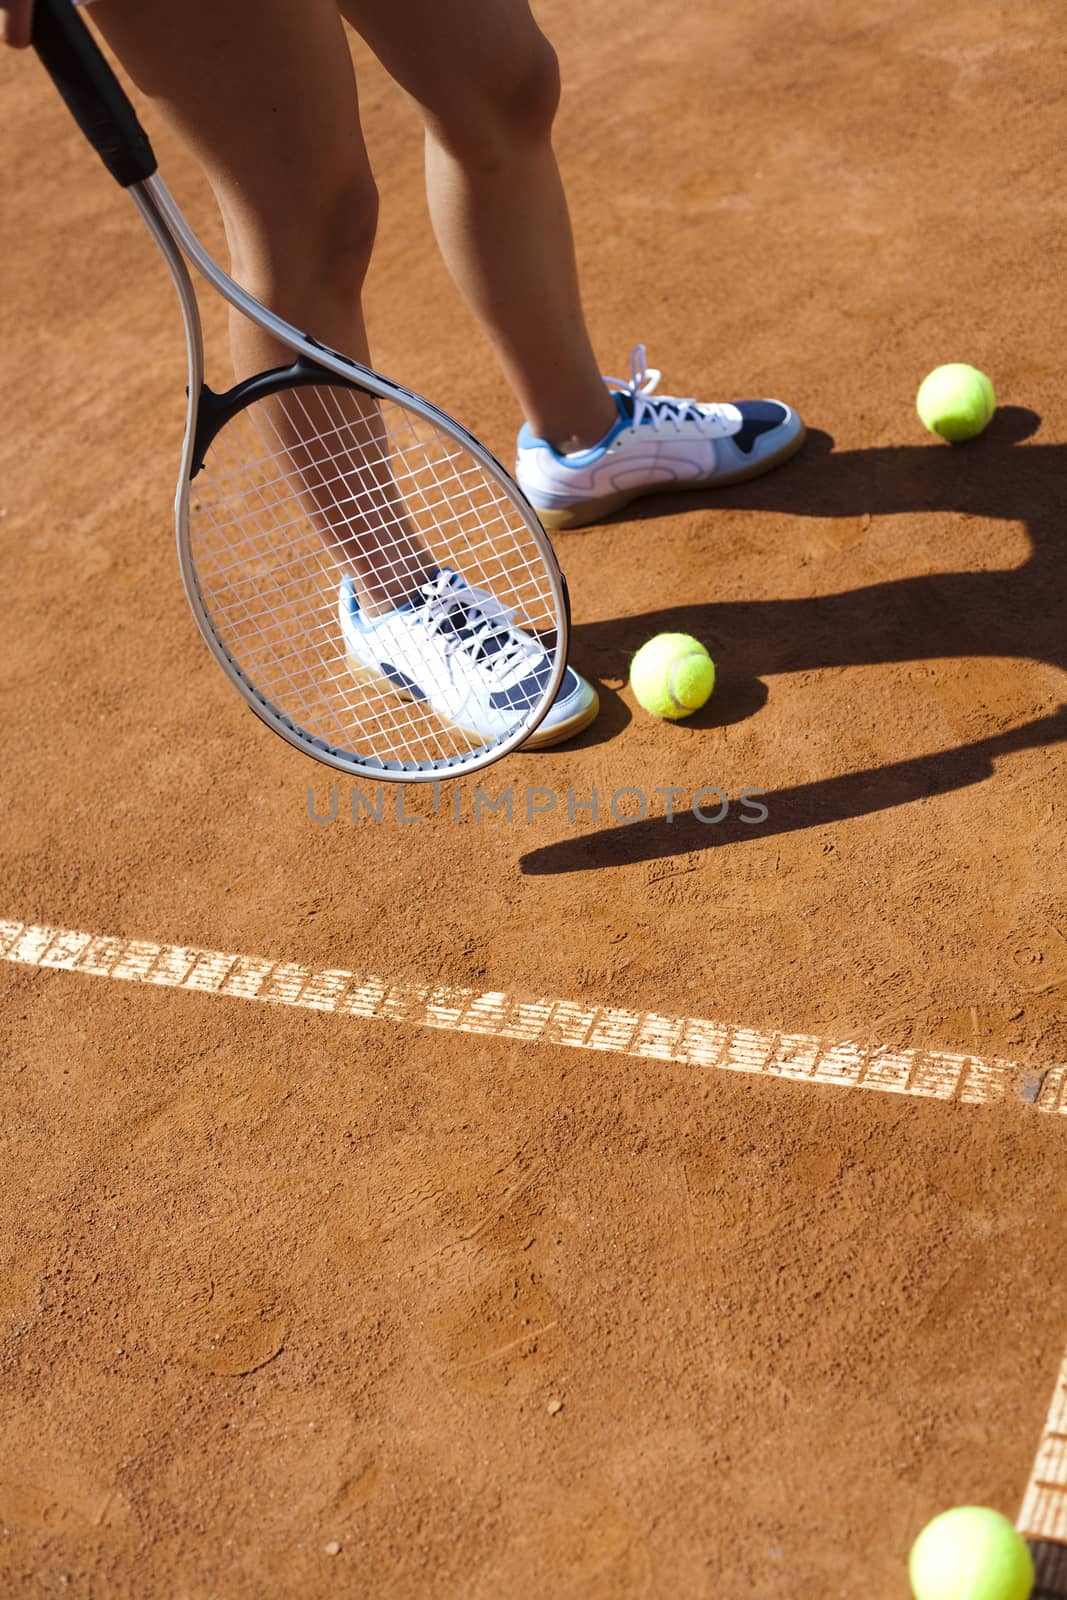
[(15, 19)]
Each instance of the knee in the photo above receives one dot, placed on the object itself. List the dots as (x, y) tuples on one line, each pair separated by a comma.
[(339, 249), (315, 248), (528, 105), (513, 109)]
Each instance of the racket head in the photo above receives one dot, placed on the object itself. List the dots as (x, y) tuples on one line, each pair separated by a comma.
[(296, 481)]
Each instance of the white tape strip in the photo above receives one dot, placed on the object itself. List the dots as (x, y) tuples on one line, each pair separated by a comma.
[(1044, 1508), (644, 1035)]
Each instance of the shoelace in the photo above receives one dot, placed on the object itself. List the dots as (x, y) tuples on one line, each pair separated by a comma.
[(666, 408), (479, 626)]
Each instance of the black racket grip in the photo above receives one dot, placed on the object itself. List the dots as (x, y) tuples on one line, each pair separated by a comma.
[(94, 96)]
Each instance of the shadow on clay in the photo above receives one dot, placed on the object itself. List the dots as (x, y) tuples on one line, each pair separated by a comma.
[(808, 805), (1016, 611)]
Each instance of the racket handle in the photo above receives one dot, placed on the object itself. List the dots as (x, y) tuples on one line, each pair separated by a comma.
[(94, 96)]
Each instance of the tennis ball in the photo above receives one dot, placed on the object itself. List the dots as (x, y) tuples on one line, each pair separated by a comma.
[(970, 1554), (672, 675), (956, 401)]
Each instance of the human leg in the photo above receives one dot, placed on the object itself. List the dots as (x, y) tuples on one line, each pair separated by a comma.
[(263, 94), (486, 82)]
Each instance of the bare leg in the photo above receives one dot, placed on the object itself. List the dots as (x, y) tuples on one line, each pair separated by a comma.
[(262, 92), (487, 83)]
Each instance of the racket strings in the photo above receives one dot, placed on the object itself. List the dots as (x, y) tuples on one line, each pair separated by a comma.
[(318, 493)]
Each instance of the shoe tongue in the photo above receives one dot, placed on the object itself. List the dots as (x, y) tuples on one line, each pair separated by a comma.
[(627, 408), (417, 597), (458, 623)]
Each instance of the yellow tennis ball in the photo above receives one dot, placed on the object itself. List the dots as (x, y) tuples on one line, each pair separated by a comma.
[(956, 401), (970, 1554), (672, 675)]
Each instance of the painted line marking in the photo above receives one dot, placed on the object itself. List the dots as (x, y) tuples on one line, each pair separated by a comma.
[(1044, 1508), (645, 1035)]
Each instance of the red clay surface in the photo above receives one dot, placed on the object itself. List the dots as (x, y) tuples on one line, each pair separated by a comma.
[(271, 1281)]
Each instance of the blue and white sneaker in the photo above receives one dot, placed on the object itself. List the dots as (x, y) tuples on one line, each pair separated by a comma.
[(457, 648), (656, 444)]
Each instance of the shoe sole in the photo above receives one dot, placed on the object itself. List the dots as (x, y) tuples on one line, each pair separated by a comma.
[(554, 518), (544, 739), (540, 739)]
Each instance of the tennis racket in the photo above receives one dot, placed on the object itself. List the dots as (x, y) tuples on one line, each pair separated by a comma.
[(362, 569)]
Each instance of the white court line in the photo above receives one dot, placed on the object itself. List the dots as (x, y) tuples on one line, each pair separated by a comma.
[(1044, 1507), (645, 1035)]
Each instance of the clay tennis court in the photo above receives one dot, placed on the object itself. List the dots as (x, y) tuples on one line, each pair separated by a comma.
[(459, 1204)]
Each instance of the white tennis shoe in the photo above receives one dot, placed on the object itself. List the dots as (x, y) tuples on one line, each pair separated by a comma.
[(457, 648), (656, 444)]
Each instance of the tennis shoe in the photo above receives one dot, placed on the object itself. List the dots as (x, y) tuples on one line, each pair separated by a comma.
[(458, 649), (659, 442)]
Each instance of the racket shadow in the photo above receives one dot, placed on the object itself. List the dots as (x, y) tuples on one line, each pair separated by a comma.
[(789, 810)]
